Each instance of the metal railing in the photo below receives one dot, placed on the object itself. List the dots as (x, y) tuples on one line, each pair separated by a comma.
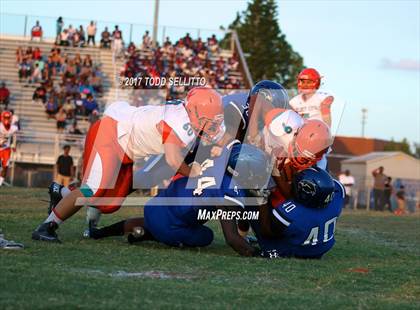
[(21, 25)]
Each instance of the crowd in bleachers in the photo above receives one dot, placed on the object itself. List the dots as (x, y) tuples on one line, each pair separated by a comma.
[(66, 85), (185, 58)]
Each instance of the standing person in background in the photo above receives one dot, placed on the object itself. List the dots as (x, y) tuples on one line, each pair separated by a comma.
[(7, 142), (400, 201), (117, 42), (379, 188), (348, 181), (387, 194), (59, 26), (105, 38), (91, 32), (36, 31), (64, 168)]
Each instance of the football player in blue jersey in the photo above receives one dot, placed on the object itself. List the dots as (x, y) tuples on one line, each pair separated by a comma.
[(172, 217), (303, 226)]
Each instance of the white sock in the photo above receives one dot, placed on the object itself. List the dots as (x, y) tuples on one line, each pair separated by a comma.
[(65, 191), (53, 218), (1, 181), (93, 214)]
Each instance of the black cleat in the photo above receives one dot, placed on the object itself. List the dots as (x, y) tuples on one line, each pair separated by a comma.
[(46, 232), (54, 190)]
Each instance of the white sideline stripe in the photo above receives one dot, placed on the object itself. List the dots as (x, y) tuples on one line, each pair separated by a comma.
[(280, 218), (166, 201), (239, 203)]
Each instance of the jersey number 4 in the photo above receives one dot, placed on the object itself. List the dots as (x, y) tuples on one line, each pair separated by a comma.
[(204, 182)]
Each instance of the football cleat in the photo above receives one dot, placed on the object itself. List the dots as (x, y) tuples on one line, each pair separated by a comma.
[(91, 232), (54, 191), (46, 232), (9, 245), (136, 236)]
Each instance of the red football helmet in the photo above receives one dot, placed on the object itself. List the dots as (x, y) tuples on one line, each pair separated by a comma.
[(310, 143), (6, 118), (205, 110), (308, 80)]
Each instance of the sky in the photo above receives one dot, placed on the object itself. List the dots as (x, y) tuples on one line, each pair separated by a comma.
[(367, 51)]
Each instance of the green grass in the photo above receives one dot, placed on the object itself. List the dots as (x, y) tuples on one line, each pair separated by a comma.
[(109, 273)]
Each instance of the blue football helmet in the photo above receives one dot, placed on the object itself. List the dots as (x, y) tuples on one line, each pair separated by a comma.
[(236, 110), (272, 92), (313, 187), (250, 166)]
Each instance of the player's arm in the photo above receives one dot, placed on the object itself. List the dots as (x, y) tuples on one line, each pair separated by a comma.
[(284, 179), (270, 227), (326, 109), (13, 142), (259, 112), (234, 240), (173, 153), (175, 159)]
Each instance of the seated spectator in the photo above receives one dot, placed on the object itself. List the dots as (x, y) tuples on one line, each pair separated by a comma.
[(81, 37), (19, 55), (68, 108), (40, 94), (61, 120), (96, 82), (4, 95), (89, 105), (78, 102), (64, 38), (93, 117), (36, 54), (71, 32), (36, 32), (36, 75), (131, 49), (105, 39), (91, 32), (28, 54), (85, 89), (15, 119), (51, 107), (24, 70), (213, 45)]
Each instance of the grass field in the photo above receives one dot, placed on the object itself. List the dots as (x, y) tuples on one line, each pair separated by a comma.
[(374, 264)]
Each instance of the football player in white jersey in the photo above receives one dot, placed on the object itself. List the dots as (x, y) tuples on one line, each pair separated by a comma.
[(7, 142), (311, 103), (126, 133)]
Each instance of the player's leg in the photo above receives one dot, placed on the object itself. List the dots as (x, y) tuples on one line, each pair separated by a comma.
[(102, 164), (4, 164), (170, 230)]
